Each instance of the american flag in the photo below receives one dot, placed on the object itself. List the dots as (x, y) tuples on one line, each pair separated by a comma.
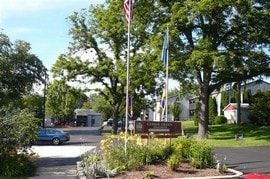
[(128, 10)]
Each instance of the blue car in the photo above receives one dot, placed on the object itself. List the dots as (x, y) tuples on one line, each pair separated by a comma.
[(53, 136)]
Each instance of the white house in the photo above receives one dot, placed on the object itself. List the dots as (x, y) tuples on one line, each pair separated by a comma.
[(230, 112)]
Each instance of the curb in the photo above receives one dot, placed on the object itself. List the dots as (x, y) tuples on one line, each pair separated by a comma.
[(237, 174), (80, 174)]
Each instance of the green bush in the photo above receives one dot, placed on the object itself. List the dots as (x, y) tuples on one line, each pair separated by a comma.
[(220, 120), (174, 161), (140, 152), (201, 155), (17, 165), (197, 153), (16, 133), (135, 156), (259, 109)]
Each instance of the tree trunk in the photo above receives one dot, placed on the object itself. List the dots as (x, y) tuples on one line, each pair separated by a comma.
[(115, 119), (203, 115)]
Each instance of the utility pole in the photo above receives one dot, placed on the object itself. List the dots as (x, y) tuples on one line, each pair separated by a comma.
[(44, 97)]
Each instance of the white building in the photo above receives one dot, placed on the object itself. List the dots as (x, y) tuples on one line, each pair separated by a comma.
[(188, 103), (230, 112)]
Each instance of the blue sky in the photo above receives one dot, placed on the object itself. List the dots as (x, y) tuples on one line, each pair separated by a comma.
[(42, 23)]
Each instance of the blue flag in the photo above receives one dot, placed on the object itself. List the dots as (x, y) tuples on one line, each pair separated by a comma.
[(165, 49), (163, 104)]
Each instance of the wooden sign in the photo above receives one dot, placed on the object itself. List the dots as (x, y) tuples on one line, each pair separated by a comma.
[(167, 129)]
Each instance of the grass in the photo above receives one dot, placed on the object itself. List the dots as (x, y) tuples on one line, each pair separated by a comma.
[(225, 135)]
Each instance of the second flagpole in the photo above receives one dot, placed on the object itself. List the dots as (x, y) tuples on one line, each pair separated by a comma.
[(127, 75)]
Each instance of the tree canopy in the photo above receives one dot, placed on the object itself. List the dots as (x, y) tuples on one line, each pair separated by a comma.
[(19, 70), (211, 43), (216, 42), (102, 30), (62, 100)]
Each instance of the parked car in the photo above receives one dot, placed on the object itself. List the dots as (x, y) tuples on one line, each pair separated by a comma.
[(109, 122), (53, 136)]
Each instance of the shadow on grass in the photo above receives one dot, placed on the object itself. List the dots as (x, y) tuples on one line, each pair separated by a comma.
[(228, 131)]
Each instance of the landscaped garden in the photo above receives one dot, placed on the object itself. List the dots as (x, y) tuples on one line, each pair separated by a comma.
[(182, 156)]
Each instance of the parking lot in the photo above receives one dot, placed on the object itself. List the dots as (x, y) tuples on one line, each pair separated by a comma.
[(59, 161)]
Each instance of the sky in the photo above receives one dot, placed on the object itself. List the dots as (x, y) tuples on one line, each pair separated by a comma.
[(42, 23)]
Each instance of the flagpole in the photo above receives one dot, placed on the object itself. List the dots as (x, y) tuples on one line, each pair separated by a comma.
[(167, 73), (127, 75)]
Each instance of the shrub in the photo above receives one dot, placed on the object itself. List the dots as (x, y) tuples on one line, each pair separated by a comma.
[(174, 161), (197, 153), (16, 133), (95, 166), (113, 149), (220, 120), (259, 109), (141, 152), (200, 155), (138, 153), (17, 165)]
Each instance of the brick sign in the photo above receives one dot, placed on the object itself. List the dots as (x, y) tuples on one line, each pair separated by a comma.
[(159, 127)]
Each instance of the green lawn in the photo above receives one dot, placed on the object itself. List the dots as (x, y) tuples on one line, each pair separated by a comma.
[(224, 135)]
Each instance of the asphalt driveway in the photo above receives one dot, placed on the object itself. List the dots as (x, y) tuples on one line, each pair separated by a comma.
[(57, 162), (246, 159)]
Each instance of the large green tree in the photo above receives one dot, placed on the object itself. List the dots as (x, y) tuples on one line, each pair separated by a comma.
[(19, 71), (62, 100), (216, 42), (102, 30)]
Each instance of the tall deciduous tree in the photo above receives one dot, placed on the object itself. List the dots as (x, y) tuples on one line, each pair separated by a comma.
[(102, 30), (62, 100), (19, 70), (216, 42)]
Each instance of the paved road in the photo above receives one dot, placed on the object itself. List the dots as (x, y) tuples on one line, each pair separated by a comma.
[(246, 159), (58, 162)]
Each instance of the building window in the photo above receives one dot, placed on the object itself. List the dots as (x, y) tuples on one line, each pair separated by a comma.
[(191, 113)]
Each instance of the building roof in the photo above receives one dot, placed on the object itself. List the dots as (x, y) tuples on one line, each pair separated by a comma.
[(85, 112), (233, 106)]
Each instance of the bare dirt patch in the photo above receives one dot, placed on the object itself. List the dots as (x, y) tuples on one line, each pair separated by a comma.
[(163, 171)]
